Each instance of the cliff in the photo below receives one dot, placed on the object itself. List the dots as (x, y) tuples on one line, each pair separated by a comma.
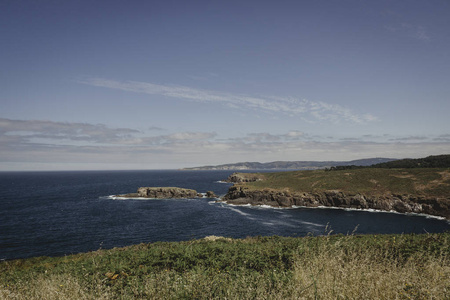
[(400, 203), (244, 177), (414, 191)]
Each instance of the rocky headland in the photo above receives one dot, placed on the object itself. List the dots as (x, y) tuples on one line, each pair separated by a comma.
[(166, 193), (244, 177), (244, 192), (240, 195)]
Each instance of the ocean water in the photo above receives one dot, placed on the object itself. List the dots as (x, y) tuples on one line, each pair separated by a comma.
[(60, 213)]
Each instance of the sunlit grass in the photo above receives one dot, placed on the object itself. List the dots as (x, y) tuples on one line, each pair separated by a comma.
[(327, 267), (430, 182)]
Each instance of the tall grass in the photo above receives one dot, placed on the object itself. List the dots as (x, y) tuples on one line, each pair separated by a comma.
[(327, 267)]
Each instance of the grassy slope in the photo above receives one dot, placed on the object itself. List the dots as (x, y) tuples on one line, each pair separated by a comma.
[(430, 182), (328, 267)]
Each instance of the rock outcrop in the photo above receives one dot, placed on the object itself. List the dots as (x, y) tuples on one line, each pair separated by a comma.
[(244, 177), (164, 192), (240, 194), (211, 194)]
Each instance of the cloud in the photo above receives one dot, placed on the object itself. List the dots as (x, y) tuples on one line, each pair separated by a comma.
[(26, 130), (399, 26), (410, 139), (442, 138), (191, 136), (22, 146), (295, 134), (286, 105), (415, 31), (51, 134)]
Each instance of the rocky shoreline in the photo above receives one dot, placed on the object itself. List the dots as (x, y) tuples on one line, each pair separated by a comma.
[(239, 194)]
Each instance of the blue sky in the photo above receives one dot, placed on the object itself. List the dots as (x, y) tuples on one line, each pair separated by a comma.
[(172, 84)]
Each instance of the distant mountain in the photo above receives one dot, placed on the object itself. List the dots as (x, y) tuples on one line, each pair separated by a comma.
[(294, 165)]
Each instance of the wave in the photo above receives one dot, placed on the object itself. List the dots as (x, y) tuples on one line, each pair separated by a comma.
[(114, 197), (372, 210), (341, 208), (263, 206)]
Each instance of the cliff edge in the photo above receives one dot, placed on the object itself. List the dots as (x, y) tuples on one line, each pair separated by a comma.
[(425, 191)]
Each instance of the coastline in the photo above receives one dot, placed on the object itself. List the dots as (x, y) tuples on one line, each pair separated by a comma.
[(399, 190), (278, 199), (371, 210)]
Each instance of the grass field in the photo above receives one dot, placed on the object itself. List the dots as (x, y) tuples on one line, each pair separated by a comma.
[(324, 267), (421, 181)]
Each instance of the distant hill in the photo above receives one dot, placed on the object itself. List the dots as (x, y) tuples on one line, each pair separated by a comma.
[(436, 161), (294, 165)]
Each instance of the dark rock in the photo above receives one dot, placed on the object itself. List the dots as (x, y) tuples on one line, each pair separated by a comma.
[(240, 194), (164, 192), (210, 194), (243, 177)]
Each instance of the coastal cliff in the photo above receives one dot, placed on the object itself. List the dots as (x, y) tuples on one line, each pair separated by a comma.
[(346, 190), (240, 195)]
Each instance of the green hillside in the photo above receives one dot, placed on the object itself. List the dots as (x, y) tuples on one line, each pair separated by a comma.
[(371, 181)]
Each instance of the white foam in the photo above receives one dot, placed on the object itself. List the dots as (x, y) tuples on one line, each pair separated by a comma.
[(372, 210), (263, 206), (311, 224), (237, 205), (114, 197), (238, 211), (268, 223)]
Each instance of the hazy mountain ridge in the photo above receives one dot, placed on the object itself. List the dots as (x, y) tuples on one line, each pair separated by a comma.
[(296, 165)]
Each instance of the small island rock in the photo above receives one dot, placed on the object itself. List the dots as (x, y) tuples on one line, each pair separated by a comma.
[(163, 192), (210, 194)]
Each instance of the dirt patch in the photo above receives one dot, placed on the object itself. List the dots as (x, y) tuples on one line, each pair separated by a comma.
[(445, 175), (315, 183), (215, 238), (403, 175)]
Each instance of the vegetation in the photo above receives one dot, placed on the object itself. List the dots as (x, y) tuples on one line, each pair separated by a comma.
[(433, 182), (437, 161), (324, 267)]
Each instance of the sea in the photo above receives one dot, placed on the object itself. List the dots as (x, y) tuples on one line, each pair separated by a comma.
[(62, 213)]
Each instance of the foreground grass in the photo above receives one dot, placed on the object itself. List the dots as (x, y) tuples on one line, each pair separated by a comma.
[(421, 181), (328, 267)]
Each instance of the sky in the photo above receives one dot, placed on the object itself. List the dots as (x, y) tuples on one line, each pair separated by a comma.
[(110, 85)]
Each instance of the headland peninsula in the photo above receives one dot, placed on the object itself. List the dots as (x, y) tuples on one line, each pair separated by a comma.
[(405, 186)]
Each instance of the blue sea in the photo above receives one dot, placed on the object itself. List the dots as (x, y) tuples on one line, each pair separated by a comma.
[(61, 213)]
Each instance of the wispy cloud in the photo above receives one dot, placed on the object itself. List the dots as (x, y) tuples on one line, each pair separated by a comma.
[(26, 130), (415, 31), (442, 138), (28, 142), (286, 105), (399, 26), (40, 132)]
